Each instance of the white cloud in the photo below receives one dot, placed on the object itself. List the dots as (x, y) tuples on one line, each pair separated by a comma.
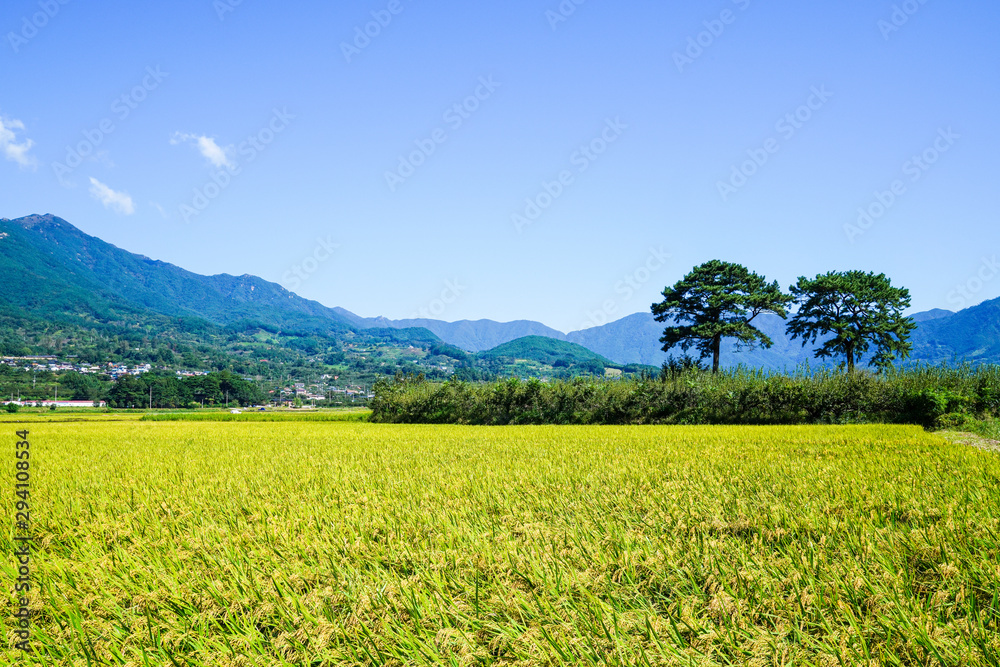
[(9, 146), (212, 151), (119, 201)]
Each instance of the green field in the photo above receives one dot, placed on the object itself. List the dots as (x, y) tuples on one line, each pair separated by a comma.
[(177, 543)]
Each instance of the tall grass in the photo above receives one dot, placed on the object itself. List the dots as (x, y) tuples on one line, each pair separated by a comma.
[(919, 395), (225, 544)]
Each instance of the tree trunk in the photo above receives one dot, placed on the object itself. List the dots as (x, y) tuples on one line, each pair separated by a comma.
[(716, 343), (850, 357)]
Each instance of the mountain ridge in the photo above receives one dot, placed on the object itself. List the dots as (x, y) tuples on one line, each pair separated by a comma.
[(51, 243), (55, 269)]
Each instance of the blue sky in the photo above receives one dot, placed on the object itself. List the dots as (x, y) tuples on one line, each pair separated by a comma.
[(597, 151)]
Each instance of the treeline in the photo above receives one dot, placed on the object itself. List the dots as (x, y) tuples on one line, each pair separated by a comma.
[(44, 385), (131, 391), (166, 391), (927, 396)]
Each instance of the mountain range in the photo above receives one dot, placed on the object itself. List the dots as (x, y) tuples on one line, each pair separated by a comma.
[(52, 270), (50, 266), (941, 336)]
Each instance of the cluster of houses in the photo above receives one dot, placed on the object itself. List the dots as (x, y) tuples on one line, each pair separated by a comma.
[(58, 404), (55, 365), (316, 392), (287, 395), (191, 374)]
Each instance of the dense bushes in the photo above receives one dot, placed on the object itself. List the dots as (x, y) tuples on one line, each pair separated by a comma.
[(919, 395), (168, 391)]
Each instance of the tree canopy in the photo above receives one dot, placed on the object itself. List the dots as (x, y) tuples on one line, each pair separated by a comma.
[(167, 391), (852, 312), (718, 300)]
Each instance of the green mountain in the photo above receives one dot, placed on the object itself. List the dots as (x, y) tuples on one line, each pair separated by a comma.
[(544, 350), (51, 268), (69, 294), (971, 335), (548, 357)]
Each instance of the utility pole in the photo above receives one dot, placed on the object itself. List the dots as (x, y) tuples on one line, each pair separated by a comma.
[(150, 397)]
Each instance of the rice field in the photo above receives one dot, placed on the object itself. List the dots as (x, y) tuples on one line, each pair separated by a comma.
[(343, 543)]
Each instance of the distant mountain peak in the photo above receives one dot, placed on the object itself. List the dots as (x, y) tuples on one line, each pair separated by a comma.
[(933, 314), (35, 220)]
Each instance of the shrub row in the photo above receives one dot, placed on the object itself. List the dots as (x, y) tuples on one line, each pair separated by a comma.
[(919, 395)]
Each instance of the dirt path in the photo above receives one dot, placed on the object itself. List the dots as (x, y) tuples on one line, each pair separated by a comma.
[(971, 439)]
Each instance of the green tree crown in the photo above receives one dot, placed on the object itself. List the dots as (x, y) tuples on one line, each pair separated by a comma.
[(853, 312), (718, 300)]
